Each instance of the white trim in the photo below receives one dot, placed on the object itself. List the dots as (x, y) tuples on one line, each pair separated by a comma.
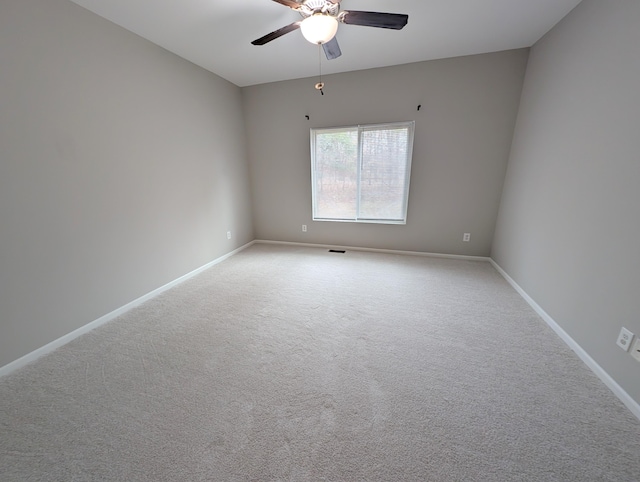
[(49, 347), (376, 250), (617, 390)]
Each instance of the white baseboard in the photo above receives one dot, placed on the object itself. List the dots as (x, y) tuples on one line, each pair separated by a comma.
[(624, 397), (376, 250), (49, 347), (618, 391)]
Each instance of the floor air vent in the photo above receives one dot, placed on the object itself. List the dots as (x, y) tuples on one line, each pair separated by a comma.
[(336, 250)]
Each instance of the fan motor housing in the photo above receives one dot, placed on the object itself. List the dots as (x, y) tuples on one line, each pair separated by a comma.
[(311, 7)]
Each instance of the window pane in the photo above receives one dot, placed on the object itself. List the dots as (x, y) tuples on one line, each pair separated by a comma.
[(361, 173), (383, 175), (336, 174)]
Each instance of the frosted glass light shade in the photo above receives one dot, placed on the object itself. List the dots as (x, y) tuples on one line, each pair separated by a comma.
[(319, 28)]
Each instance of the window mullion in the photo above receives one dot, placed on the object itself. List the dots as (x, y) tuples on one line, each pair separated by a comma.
[(359, 172)]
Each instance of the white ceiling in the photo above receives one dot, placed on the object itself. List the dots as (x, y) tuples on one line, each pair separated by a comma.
[(217, 34)]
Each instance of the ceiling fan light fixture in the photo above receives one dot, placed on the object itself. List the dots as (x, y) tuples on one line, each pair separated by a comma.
[(319, 28)]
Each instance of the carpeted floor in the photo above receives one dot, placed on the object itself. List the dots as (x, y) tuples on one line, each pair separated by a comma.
[(296, 364)]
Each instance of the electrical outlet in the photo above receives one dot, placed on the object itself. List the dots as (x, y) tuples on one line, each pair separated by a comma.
[(466, 237), (635, 351), (624, 339), (304, 228), (228, 234)]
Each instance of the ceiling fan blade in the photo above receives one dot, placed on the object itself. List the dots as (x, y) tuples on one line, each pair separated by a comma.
[(288, 3), (277, 33), (395, 21), (332, 49)]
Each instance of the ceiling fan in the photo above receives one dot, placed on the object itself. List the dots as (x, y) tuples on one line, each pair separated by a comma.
[(320, 19)]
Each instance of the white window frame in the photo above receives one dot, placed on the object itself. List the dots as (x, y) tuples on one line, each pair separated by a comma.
[(409, 125)]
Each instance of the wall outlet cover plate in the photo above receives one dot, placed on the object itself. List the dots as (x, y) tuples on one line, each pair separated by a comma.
[(635, 351), (624, 339)]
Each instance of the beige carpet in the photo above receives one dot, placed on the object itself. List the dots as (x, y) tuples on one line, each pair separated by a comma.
[(296, 364)]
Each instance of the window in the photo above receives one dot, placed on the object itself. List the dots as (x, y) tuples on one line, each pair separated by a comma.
[(361, 173)]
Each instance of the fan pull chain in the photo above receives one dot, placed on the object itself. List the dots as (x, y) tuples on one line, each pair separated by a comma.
[(320, 85)]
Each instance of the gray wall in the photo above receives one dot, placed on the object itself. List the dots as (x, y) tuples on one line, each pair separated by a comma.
[(462, 141), (122, 167), (569, 220)]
